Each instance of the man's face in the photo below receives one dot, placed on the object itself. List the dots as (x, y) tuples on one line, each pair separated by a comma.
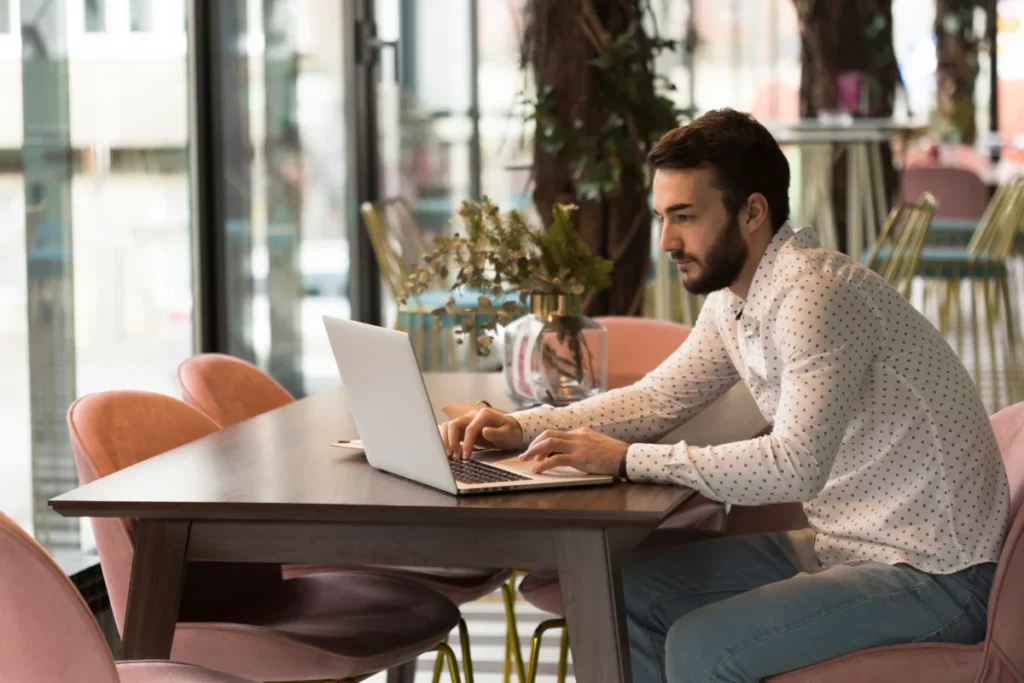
[(697, 231)]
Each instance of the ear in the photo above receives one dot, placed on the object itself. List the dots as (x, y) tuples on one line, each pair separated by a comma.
[(756, 213)]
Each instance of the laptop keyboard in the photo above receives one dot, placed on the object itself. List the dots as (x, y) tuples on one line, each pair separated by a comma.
[(473, 472)]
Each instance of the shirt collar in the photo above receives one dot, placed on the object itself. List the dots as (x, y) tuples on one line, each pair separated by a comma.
[(760, 286)]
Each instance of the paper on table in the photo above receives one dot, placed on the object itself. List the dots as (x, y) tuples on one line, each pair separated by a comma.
[(353, 444)]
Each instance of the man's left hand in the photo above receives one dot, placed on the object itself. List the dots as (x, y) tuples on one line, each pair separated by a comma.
[(585, 449)]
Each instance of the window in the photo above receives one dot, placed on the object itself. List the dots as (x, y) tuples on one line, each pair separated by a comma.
[(95, 248), (141, 15), (285, 185), (95, 16)]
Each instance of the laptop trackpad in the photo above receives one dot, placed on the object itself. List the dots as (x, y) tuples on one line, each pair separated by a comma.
[(525, 467)]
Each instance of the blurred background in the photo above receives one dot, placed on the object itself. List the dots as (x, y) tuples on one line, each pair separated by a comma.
[(180, 176)]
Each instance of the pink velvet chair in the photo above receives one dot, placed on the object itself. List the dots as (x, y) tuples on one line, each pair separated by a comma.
[(245, 619), (638, 345), (48, 634), (1000, 657), (229, 390), (960, 192)]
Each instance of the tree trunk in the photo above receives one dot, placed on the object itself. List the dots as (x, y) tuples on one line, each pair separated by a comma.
[(848, 35), (616, 225), (956, 71)]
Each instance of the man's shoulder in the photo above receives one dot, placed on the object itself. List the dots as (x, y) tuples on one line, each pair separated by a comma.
[(819, 277)]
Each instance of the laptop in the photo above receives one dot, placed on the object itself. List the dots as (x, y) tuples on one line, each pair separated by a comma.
[(397, 426)]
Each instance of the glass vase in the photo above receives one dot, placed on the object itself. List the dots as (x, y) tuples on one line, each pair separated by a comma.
[(554, 355)]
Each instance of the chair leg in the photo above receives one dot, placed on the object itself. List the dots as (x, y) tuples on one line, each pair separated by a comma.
[(467, 656), (445, 651), (538, 635), (563, 656), (439, 664), (513, 653)]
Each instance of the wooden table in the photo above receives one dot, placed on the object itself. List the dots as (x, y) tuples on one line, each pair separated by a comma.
[(272, 490)]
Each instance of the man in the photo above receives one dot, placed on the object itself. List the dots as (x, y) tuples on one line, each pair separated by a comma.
[(876, 429)]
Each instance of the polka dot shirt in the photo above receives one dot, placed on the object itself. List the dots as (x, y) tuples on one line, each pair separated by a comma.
[(877, 427)]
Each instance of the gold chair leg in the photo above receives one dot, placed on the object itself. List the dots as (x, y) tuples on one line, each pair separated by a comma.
[(439, 664), (538, 635), (1011, 337), (975, 334), (467, 656), (445, 651), (513, 653), (993, 358), (563, 656)]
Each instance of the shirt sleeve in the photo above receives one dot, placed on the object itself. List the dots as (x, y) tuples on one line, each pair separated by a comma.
[(827, 336), (696, 374)]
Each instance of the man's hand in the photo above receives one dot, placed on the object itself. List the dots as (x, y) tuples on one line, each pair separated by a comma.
[(487, 427), (585, 449)]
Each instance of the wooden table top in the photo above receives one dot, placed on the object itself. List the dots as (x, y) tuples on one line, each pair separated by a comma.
[(280, 466)]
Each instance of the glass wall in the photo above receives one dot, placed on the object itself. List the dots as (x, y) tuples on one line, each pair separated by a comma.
[(95, 229), (283, 184)]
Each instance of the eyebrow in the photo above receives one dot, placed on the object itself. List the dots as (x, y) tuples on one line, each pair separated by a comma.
[(675, 207)]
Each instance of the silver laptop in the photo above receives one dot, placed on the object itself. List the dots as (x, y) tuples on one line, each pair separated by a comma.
[(396, 421)]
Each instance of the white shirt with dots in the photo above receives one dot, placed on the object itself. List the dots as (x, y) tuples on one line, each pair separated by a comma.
[(877, 427)]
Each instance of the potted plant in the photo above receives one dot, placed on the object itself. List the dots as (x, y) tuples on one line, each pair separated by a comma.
[(531, 283)]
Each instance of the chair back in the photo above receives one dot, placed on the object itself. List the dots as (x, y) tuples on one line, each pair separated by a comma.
[(47, 632), (1004, 646), (897, 251), (960, 192), (397, 239), (229, 390), (998, 226), (638, 345), (113, 430)]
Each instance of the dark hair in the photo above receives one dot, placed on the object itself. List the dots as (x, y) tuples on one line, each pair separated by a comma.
[(743, 155)]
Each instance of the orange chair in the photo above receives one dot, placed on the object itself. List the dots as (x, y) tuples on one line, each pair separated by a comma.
[(229, 390), (638, 345), (48, 633), (245, 619)]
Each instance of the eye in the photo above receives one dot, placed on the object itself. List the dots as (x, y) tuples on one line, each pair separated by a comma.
[(682, 218)]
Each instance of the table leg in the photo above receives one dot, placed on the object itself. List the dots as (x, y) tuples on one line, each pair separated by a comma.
[(403, 673), (588, 570), (158, 573)]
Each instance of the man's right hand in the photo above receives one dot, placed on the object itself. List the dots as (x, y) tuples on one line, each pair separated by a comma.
[(486, 427)]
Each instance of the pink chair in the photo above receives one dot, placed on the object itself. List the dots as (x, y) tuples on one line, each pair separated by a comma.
[(635, 347), (638, 345), (229, 390), (1000, 657), (961, 193), (245, 619), (48, 634)]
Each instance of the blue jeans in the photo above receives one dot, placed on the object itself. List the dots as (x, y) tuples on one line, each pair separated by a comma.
[(741, 608)]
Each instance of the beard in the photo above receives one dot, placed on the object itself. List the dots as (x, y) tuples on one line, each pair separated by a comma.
[(722, 264)]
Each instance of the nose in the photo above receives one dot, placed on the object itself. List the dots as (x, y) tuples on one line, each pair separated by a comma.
[(669, 241)]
